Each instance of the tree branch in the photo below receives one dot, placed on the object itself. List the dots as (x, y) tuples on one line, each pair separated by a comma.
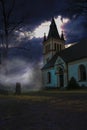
[(11, 9)]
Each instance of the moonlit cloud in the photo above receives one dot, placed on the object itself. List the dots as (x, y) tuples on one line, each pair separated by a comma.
[(44, 27), (24, 34), (39, 31)]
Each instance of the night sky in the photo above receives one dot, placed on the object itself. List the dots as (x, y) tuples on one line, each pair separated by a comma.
[(37, 12), (34, 13)]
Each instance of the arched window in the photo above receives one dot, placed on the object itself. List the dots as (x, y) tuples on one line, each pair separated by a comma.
[(60, 71), (82, 73), (49, 77)]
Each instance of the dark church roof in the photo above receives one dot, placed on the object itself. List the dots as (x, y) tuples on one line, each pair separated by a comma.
[(75, 52), (53, 32)]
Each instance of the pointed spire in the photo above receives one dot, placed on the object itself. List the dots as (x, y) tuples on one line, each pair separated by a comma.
[(62, 36), (53, 32)]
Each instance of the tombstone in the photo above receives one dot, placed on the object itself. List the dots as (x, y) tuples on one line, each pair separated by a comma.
[(18, 89)]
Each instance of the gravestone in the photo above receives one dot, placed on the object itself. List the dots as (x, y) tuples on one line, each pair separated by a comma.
[(18, 89)]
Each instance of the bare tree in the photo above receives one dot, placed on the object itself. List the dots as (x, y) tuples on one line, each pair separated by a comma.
[(8, 23)]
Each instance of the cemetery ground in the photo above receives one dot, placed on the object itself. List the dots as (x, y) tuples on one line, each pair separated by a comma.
[(44, 110)]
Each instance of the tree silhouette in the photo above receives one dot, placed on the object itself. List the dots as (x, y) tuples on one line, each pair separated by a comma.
[(8, 23)]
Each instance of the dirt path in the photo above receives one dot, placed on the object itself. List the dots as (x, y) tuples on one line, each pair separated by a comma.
[(46, 111)]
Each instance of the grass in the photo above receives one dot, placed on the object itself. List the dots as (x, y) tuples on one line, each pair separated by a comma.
[(44, 110)]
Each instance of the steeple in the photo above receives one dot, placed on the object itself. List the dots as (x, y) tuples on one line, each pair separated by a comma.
[(53, 43), (53, 32)]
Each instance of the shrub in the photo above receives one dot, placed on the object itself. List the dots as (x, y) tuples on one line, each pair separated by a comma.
[(73, 84)]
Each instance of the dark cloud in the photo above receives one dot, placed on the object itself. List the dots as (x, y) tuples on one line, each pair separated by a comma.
[(40, 10), (29, 50), (34, 12), (76, 29)]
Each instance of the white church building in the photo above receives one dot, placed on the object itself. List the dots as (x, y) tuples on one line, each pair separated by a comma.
[(60, 63)]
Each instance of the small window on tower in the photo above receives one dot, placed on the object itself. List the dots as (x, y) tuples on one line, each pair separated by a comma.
[(55, 46), (60, 47), (48, 48)]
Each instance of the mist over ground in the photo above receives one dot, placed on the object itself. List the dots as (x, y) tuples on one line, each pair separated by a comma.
[(23, 66)]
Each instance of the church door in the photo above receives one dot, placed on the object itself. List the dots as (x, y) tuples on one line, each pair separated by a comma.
[(61, 77)]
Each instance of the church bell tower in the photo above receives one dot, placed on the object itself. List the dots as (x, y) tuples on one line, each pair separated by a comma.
[(52, 43)]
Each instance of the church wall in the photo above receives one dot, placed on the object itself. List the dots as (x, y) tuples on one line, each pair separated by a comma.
[(53, 82), (73, 70), (65, 79)]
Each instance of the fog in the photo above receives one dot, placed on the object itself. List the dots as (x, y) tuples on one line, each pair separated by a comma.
[(17, 70)]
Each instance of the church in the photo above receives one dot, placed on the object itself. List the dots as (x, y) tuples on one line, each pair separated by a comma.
[(60, 64)]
